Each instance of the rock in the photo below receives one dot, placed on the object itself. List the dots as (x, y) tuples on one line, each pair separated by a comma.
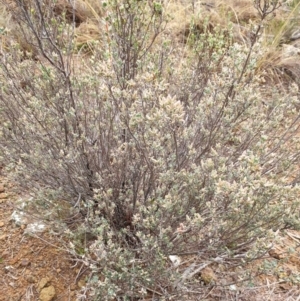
[(285, 286), (289, 50), (24, 262), (208, 276), (19, 217), (73, 287), (276, 253), (2, 237), (3, 196), (5, 254), (295, 260), (43, 282), (81, 283), (36, 227), (9, 268), (2, 189), (30, 279), (1, 224), (47, 293)]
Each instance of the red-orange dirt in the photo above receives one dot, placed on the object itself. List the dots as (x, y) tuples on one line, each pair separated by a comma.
[(32, 268)]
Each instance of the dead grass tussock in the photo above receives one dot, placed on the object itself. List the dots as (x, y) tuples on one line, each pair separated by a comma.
[(80, 12), (239, 12), (280, 66), (87, 35), (242, 15), (178, 15), (281, 60), (224, 14), (273, 65), (87, 15), (283, 27), (182, 15)]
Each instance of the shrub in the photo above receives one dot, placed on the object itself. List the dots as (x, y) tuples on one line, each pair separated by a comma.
[(163, 154)]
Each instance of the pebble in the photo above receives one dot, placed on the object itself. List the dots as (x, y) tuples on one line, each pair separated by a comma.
[(3, 195), (47, 293), (43, 282), (73, 287), (81, 283), (30, 279), (2, 237), (208, 276), (24, 262)]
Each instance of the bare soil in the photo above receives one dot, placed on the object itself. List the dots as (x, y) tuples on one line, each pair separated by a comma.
[(32, 267)]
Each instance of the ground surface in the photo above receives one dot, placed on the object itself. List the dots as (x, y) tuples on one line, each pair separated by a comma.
[(32, 268)]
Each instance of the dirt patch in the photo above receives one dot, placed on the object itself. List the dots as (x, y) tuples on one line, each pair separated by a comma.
[(32, 268)]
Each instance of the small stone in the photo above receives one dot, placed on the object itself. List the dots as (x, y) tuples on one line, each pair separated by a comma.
[(2, 237), (58, 271), (285, 286), (3, 196), (30, 279), (1, 224), (81, 283), (47, 293), (43, 282), (5, 254), (295, 260), (8, 269), (24, 262), (277, 254), (2, 189), (208, 276), (73, 287)]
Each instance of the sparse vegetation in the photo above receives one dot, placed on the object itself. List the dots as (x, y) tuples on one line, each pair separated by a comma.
[(167, 139)]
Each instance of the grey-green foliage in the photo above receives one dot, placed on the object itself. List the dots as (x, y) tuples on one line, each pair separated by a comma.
[(169, 153)]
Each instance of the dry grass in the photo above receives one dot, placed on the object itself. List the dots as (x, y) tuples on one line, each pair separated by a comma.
[(240, 12), (279, 63), (242, 15), (82, 11)]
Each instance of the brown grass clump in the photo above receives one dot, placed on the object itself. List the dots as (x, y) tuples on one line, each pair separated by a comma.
[(86, 14), (281, 62), (87, 36), (241, 16), (281, 66), (80, 12), (196, 19), (240, 12)]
